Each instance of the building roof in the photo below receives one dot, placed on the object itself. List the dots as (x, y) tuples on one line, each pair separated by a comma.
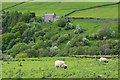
[(50, 14), (57, 16)]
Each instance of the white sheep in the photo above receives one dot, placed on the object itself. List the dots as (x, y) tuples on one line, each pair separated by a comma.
[(61, 64), (103, 59)]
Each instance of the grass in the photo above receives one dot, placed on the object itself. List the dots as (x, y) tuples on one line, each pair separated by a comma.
[(94, 26), (60, 8), (8, 4), (44, 68), (102, 12)]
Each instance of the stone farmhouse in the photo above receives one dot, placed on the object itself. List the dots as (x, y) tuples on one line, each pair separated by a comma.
[(50, 17)]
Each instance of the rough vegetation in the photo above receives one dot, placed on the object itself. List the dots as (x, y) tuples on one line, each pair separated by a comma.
[(24, 35)]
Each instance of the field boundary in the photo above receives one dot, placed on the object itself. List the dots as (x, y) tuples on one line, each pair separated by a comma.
[(93, 19), (16, 5), (90, 8)]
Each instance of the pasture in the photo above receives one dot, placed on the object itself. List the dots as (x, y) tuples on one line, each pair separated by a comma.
[(101, 12), (44, 68), (91, 27), (62, 8)]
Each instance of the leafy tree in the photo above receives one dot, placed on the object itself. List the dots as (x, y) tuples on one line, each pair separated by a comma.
[(39, 44), (20, 26), (13, 42), (63, 38), (27, 16), (44, 53), (105, 31), (17, 48), (6, 38), (61, 22), (31, 53)]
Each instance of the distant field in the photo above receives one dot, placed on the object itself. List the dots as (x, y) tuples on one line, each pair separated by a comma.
[(8, 4), (61, 8), (44, 68), (102, 12)]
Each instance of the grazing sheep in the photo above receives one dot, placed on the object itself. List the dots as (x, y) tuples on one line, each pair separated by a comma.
[(61, 64), (103, 59)]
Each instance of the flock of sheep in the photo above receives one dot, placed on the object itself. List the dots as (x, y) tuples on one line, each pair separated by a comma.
[(61, 64)]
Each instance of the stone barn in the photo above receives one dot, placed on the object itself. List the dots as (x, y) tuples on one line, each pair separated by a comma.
[(50, 17)]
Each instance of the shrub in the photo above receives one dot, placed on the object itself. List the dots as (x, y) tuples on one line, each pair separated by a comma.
[(61, 22), (85, 40), (31, 53), (21, 55), (78, 29), (105, 31), (113, 34), (63, 38)]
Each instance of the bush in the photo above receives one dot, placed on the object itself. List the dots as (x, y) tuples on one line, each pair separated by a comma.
[(85, 40), (61, 22), (104, 32), (31, 53), (63, 38), (21, 55), (78, 29)]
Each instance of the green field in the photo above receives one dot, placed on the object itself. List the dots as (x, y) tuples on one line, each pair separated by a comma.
[(44, 68), (102, 12), (8, 4), (94, 26), (62, 8)]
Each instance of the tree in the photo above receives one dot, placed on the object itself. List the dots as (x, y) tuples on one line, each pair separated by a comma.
[(20, 26), (13, 42), (105, 31), (31, 53), (61, 22), (6, 38), (27, 16), (17, 48)]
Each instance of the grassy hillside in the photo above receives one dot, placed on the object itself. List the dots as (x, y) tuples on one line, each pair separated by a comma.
[(8, 4), (60, 8), (94, 26), (44, 68), (102, 12)]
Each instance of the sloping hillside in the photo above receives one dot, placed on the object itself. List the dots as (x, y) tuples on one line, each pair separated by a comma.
[(60, 8)]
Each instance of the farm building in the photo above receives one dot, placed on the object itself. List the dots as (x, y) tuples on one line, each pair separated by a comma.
[(50, 17)]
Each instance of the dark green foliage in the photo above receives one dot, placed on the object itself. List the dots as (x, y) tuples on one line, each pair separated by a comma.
[(17, 48), (63, 38), (6, 38), (61, 22), (21, 26), (11, 18), (31, 53), (13, 42), (29, 37)]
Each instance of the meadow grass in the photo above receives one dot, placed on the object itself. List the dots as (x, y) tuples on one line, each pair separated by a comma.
[(44, 68), (101, 12), (91, 27), (8, 4), (60, 8)]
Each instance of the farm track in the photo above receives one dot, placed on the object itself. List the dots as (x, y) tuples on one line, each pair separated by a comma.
[(16, 5), (90, 8)]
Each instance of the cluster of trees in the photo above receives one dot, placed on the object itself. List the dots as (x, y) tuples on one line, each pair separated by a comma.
[(25, 36)]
